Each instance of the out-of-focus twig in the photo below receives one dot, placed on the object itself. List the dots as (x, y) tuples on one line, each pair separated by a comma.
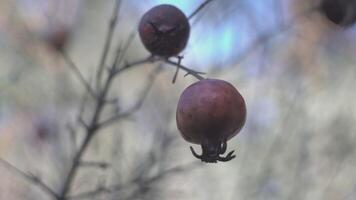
[(108, 41), (31, 178), (120, 187), (137, 105), (149, 59), (77, 72), (201, 6), (121, 54), (100, 165)]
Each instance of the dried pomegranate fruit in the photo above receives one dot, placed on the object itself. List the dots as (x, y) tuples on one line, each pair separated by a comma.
[(340, 12), (164, 30), (209, 113)]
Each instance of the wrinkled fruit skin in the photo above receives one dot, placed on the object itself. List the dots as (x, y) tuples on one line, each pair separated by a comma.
[(209, 113), (340, 12), (164, 30)]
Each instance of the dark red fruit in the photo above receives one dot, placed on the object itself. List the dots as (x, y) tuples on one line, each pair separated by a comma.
[(340, 12), (164, 30), (209, 113)]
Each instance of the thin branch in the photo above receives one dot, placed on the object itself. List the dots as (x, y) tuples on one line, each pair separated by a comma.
[(30, 178), (83, 101), (108, 41), (194, 73), (77, 72), (101, 165), (138, 104), (73, 137), (82, 122), (196, 11), (121, 54), (120, 187), (149, 59), (177, 70), (93, 127)]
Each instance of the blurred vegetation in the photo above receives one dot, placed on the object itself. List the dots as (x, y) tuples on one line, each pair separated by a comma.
[(294, 68)]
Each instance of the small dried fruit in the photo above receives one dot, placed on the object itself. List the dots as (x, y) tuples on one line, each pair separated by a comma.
[(340, 12), (164, 30), (209, 113)]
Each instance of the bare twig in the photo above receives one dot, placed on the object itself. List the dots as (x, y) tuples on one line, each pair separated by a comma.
[(108, 41), (73, 137), (196, 11), (77, 72), (121, 54), (126, 66), (177, 70), (120, 187), (101, 165), (93, 125), (31, 178), (194, 73), (138, 104)]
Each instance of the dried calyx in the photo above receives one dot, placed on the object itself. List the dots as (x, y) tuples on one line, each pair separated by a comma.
[(209, 113)]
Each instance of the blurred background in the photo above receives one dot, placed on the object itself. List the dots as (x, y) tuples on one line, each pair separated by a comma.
[(295, 69)]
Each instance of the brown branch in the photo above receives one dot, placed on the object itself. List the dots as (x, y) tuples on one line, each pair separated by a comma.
[(30, 178)]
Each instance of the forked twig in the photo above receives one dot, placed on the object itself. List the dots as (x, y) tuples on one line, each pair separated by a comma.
[(77, 72), (31, 178)]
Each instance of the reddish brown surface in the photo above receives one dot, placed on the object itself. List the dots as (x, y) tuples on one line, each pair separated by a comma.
[(340, 12), (210, 111), (164, 30)]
